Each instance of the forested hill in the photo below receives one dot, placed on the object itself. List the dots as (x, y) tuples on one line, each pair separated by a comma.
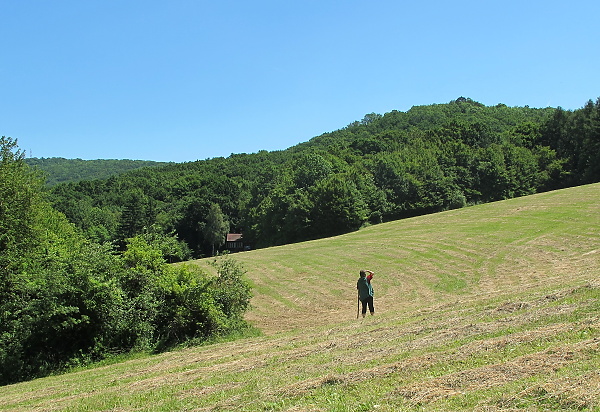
[(494, 119), (383, 167), (61, 170)]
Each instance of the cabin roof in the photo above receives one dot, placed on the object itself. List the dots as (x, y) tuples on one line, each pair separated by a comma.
[(232, 237)]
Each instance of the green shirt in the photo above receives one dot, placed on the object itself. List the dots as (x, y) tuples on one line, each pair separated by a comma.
[(364, 288)]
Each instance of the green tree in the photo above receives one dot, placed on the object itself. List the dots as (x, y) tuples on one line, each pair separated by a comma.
[(56, 296), (493, 180), (527, 135), (216, 227), (231, 290), (297, 221), (309, 168), (267, 220), (588, 127), (138, 213), (20, 199), (338, 207), (171, 248)]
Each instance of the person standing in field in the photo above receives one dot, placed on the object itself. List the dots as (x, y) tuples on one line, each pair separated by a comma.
[(365, 291)]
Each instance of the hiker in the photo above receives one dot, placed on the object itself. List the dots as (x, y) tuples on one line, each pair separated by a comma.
[(365, 291)]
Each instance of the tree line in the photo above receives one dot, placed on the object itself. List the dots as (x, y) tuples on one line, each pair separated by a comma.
[(61, 170), (66, 300), (383, 167)]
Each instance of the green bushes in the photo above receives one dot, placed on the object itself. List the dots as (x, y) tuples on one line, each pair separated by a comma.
[(173, 304), (94, 303)]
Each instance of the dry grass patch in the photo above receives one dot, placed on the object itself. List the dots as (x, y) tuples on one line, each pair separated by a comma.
[(488, 376)]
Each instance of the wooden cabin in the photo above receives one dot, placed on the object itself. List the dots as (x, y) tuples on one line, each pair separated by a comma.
[(235, 243)]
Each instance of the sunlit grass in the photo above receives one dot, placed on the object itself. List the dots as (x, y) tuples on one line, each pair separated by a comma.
[(489, 307)]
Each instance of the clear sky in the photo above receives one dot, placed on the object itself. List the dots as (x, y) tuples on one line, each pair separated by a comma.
[(182, 80)]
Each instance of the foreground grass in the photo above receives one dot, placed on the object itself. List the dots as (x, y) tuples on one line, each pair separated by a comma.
[(494, 307)]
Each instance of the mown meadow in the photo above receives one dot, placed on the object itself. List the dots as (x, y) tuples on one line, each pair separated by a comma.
[(492, 307)]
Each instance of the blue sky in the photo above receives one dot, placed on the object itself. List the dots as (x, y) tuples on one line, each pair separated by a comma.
[(183, 80)]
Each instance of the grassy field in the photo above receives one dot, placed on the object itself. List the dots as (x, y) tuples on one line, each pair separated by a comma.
[(490, 308)]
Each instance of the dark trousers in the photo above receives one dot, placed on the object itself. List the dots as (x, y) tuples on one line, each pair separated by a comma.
[(367, 301)]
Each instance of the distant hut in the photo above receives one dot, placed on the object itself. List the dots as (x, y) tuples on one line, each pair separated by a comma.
[(235, 243)]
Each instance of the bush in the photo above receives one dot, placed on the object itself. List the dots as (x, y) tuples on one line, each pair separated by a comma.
[(170, 305), (197, 306)]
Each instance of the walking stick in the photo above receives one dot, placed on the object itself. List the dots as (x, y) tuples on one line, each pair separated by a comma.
[(357, 304)]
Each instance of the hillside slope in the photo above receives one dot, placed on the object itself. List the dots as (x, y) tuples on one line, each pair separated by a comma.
[(492, 307), (494, 249)]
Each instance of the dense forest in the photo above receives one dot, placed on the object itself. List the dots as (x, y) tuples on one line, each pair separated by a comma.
[(383, 167), (61, 170)]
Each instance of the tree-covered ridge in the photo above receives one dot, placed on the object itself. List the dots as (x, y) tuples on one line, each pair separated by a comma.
[(494, 119), (384, 167), (61, 170)]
